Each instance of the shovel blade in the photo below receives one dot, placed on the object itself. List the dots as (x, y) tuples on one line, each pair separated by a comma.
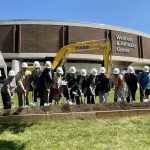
[(146, 100)]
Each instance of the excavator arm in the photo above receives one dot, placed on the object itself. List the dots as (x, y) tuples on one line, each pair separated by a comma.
[(84, 46)]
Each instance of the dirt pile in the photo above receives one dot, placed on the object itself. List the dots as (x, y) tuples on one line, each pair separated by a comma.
[(75, 108)]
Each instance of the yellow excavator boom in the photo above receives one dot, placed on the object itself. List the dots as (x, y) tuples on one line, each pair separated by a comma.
[(84, 46)]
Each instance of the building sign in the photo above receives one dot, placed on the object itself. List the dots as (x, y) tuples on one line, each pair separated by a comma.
[(124, 44)]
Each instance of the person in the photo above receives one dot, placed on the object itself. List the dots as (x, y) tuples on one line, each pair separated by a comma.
[(120, 87), (35, 75), (8, 89), (91, 86), (103, 85), (71, 79), (44, 84), (131, 80), (144, 82), (1, 80), (81, 87), (56, 90), (23, 79)]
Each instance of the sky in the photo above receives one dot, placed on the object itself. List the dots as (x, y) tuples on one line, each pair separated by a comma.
[(132, 14)]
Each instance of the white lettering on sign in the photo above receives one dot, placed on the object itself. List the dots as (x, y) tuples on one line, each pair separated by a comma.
[(124, 38), (124, 43), (122, 50)]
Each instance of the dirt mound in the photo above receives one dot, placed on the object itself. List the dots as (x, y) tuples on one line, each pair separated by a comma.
[(75, 108)]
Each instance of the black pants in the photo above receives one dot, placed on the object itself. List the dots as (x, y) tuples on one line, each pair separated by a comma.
[(6, 100), (22, 99), (132, 95), (35, 95), (69, 95), (78, 100), (51, 95), (90, 99), (44, 97)]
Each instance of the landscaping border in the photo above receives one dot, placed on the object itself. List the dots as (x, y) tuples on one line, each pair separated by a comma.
[(33, 118)]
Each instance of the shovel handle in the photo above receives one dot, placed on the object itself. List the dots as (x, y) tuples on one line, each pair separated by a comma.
[(25, 96)]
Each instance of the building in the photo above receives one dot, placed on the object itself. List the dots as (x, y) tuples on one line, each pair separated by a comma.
[(30, 40)]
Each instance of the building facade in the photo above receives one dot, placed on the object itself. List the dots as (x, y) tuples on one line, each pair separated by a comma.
[(30, 40)]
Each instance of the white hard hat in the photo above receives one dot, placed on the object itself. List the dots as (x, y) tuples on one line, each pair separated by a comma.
[(130, 69), (116, 71), (72, 69), (146, 69), (36, 64), (102, 70), (12, 73), (94, 71), (59, 70), (24, 65), (48, 64), (83, 72)]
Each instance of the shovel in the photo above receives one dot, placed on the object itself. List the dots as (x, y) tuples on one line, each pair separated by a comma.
[(144, 96), (145, 99), (70, 100), (118, 97), (25, 99)]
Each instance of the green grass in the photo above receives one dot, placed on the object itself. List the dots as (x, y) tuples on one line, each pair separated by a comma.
[(118, 133), (109, 134), (15, 101)]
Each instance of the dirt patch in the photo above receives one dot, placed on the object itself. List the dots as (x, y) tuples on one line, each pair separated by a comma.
[(75, 108)]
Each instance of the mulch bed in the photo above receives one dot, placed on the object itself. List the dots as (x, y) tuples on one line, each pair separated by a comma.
[(75, 108)]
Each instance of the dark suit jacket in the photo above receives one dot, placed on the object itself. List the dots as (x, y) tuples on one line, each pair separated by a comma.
[(46, 79)]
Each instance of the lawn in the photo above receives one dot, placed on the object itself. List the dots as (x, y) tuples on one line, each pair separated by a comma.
[(108, 134), (117, 133)]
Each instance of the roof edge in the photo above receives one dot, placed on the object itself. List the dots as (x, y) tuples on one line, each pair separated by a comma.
[(82, 24)]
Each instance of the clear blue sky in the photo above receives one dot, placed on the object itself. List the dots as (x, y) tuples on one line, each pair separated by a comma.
[(133, 14)]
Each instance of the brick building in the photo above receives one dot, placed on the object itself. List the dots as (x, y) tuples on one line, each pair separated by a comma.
[(30, 40)]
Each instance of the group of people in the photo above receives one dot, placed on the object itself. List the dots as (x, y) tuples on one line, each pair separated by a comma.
[(74, 87)]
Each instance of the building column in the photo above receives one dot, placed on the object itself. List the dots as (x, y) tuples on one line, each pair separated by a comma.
[(15, 65)]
